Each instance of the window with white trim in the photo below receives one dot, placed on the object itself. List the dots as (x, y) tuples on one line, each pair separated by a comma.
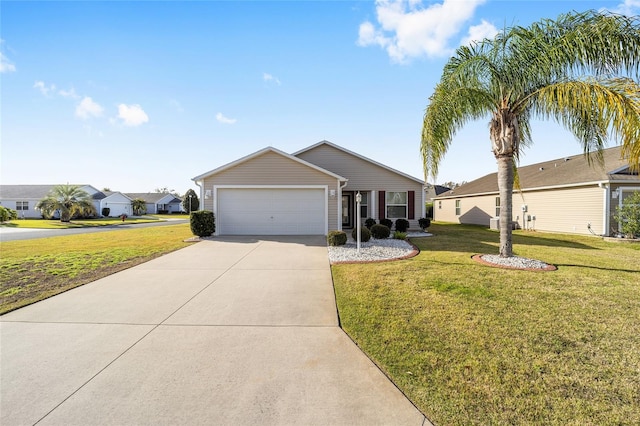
[(22, 205), (364, 204), (457, 207), (396, 205), (497, 206)]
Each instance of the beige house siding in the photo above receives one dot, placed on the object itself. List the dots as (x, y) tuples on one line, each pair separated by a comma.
[(365, 176), (567, 210), (272, 169), (474, 211)]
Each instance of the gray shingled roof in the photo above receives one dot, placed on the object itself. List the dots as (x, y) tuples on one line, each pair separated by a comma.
[(572, 170), (32, 192), (150, 197)]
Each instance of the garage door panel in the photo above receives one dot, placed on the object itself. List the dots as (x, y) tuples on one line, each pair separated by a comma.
[(271, 211)]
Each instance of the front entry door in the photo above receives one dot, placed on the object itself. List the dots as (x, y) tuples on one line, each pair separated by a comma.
[(347, 210)]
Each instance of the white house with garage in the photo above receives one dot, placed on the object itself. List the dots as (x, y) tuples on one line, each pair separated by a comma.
[(309, 192)]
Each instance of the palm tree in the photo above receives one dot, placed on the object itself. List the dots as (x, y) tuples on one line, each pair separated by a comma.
[(70, 200), (577, 70), (139, 207)]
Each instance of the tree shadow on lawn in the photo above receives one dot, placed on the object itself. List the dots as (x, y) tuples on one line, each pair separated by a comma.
[(480, 239)]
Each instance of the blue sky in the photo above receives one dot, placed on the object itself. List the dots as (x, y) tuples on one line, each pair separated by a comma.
[(142, 95)]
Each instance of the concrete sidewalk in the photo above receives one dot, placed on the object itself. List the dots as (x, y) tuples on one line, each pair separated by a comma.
[(230, 331)]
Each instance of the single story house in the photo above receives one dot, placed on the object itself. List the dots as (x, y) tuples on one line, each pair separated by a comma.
[(157, 202), (24, 198), (309, 192), (568, 195), (117, 203)]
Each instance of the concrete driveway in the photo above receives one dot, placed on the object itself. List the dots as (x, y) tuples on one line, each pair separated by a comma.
[(231, 331)]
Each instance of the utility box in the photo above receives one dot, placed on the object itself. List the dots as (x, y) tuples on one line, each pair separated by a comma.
[(494, 223)]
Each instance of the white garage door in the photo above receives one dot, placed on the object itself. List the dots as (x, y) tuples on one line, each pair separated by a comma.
[(271, 211)]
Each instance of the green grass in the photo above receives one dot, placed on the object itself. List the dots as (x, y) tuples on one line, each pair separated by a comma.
[(32, 270), (81, 223), (471, 344)]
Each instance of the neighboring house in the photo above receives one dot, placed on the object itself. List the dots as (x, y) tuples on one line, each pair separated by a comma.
[(432, 191), (309, 192), (157, 202), (566, 195), (24, 198), (117, 203)]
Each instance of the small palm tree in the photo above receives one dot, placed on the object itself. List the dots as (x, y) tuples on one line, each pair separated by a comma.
[(69, 200), (575, 70), (139, 207)]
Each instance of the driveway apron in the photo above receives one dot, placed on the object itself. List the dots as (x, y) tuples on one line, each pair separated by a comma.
[(232, 331)]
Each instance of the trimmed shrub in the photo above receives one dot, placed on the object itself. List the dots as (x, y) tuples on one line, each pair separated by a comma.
[(380, 232), (336, 238), (369, 222), (400, 235), (424, 223), (7, 214), (402, 225), (106, 211), (365, 234), (203, 223), (386, 222)]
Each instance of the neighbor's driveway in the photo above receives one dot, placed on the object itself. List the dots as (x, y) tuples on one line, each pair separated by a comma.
[(229, 331)]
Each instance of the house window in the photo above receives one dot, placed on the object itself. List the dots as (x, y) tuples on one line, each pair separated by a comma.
[(497, 206), (439, 205), (364, 204), (22, 205), (396, 205), (457, 207)]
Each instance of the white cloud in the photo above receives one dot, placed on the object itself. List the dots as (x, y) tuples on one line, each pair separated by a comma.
[(225, 120), (478, 33), (132, 115), (71, 93), (628, 7), (5, 64), (87, 108), (43, 88), (269, 78), (407, 29)]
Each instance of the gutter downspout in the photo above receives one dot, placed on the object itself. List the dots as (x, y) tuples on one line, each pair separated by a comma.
[(201, 192), (606, 220)]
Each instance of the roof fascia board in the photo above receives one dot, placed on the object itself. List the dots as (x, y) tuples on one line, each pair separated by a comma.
[(539, 188), (263, 151), (360, 157)]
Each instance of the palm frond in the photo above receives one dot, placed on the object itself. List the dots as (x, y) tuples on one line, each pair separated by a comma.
[(595, 111)]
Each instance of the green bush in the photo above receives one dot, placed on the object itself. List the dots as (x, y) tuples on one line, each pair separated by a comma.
[(629, 216), (424, 223), (397, 235), (336, 238), (369, 222), (203, 223), (402, 225), (386, 222), (380, 232), (7, 214), (365, 234), (106, 211)]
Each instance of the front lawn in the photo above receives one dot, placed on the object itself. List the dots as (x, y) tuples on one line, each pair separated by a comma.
[(78, 223), (32, 270), (471, 344)]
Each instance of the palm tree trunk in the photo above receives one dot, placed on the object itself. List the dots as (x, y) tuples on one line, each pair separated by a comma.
[(505, 186)]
